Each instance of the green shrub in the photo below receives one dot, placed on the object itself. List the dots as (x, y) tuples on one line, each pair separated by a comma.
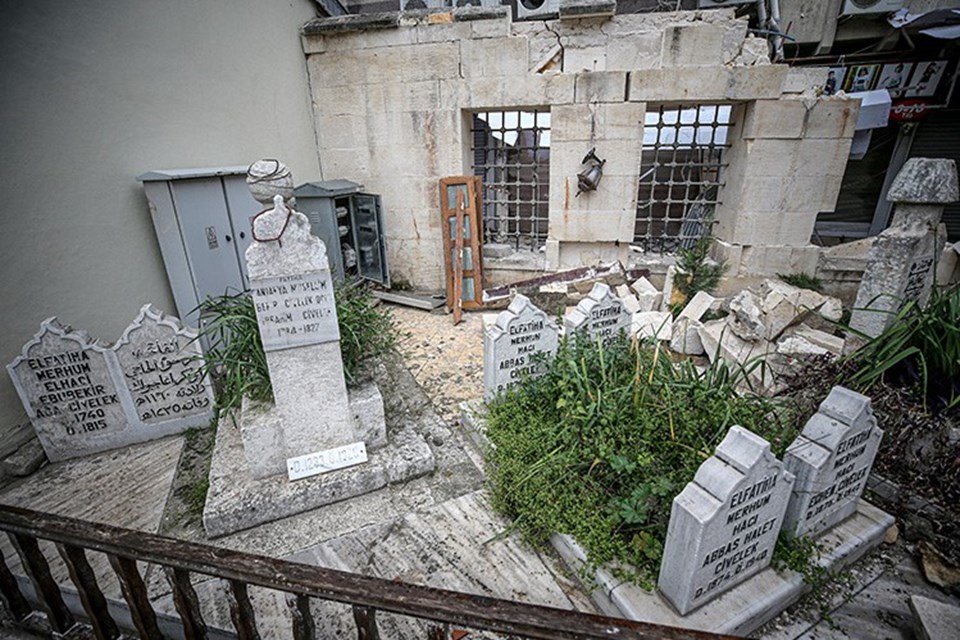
[(698, 272), (921, 347), (601, 443), (236, 360)]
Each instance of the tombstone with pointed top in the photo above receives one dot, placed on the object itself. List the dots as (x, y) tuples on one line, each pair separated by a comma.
[(84, 396), (600, 316), (310, 428), (831, 460), (901, 263), (516, 345), (724, 524)]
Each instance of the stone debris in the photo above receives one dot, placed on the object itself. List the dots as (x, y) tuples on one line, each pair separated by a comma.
[(698, 305), (822, 339), (629, 300), (653, 324), (25, 460), (686, 337), (648, 295), (668, 288), (746, 318)]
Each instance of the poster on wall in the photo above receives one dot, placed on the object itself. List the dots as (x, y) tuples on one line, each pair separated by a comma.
[(861, 78), (834, 81), (893, 78), (925, 79)]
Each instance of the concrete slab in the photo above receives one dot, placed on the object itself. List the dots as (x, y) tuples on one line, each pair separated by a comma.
[(747, 606), (236, 500), (127, 487)]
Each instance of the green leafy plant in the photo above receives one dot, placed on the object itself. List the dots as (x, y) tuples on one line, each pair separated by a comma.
[(699, 272), (802, 280), (235, 358), (921, 347), (598, 446)]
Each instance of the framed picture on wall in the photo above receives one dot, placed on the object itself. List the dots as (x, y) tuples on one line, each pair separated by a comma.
[(834, 80), (893, 78), (925, 79), (861, 78)]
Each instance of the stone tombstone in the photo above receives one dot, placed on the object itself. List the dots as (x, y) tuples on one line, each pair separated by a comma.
[(160, 362), (599, 316), (512, 342), (63, 379), (831, 460), (724, 524), (901, 263), (294, 300)]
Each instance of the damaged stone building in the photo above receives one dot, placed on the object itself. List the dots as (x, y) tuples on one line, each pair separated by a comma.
[(696, 129)]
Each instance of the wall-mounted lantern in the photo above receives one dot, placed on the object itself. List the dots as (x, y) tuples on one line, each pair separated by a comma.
[(589, 178)]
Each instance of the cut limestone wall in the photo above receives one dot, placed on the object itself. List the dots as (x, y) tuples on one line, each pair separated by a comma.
[(393, 93)]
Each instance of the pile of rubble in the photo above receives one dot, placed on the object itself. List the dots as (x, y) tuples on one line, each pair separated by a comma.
[(776, 320)]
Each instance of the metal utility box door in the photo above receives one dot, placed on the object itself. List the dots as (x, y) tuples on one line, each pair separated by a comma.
[(350, 223), (203, 223)]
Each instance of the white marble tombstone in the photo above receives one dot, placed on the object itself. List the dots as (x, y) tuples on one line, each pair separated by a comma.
[(293, 296), (510, 345), (84, 397), (601, 315), (724, 524), (831, 460)]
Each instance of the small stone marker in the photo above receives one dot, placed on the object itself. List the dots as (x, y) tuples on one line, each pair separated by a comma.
[(724, 524), (510, 345), (84, 397), (900, 265), (293, 296), (601, 315), (831, 460)]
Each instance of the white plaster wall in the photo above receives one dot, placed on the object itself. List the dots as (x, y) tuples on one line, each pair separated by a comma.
[(93, 93)]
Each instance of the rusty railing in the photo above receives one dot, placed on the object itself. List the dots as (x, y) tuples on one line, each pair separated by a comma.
[(442, 609)]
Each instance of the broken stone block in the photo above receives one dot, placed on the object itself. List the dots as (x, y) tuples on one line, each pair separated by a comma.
[(653, 324), (719, 340), (668, 288), (832, 343), (779, 313), (698, 305), (492, 250), (631, 303), (934, 620), (686, 337), (797, 347), (746, 318), (24, 460), (648, 296)]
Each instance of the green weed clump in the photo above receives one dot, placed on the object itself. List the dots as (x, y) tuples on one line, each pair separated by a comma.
[(236, 360), (802, 281), (601, 443), (921, 349)]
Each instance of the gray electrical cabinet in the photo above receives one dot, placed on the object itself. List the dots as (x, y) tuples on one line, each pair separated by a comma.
[(350, 223), (203, 221)]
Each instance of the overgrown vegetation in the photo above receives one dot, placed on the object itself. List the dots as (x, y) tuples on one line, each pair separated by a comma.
[(236, 360), (802, 280), (920, 348), (601, 443), (802, 555)]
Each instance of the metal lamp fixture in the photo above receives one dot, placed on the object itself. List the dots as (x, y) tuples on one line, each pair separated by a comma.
[(589, 178)]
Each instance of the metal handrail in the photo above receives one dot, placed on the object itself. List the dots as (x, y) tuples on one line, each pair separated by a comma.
[(124, 547)]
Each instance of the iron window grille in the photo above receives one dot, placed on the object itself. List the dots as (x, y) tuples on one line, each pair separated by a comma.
[(681, 172), (511, 153)]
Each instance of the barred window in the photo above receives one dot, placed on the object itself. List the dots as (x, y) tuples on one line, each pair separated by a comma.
[(511, 153), (681, 171)]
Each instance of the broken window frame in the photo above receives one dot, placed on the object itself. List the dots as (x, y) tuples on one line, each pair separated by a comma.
[(682, 166), (515, 175)]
